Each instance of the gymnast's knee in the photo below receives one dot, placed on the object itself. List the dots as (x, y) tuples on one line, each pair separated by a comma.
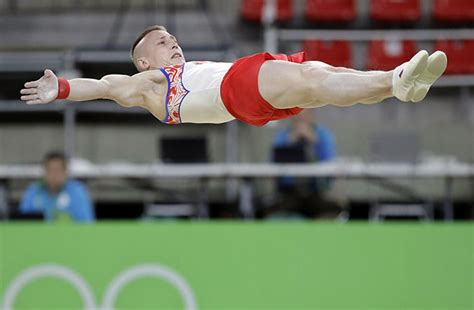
[(313, 80)]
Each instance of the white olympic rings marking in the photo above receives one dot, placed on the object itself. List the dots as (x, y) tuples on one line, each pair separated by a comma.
[(113, 289), (44, 271), (147, 270)]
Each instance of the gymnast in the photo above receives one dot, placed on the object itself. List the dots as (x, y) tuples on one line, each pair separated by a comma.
[(255, 89)]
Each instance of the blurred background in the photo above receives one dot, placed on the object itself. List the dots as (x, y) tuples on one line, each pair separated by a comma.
[(92, 39), (369, 163)]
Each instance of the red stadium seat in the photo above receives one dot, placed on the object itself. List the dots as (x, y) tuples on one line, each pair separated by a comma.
[(330, 10), (335, 53), (395, 10), (251, 10), (453, 10), (386, 55), (460, 55)]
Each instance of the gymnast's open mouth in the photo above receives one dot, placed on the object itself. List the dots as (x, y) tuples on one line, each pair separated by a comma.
[(176, 55)]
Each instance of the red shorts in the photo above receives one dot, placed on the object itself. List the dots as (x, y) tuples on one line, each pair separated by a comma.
[(240, 94)]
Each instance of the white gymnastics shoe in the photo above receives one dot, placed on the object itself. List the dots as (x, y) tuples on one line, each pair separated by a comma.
[(437, 63), (405, 75)]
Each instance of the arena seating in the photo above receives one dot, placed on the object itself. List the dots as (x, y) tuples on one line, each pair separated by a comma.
[(386, 55), (453, 10), (460, 55), (330, 10), (336, 53), (251, 10), (379, 10), (395, 10)]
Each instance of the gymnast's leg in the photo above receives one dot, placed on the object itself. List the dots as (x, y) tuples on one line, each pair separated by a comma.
[(370, 100), (287, 85)]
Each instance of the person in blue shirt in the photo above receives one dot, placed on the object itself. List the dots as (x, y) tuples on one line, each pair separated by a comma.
[(305, 196), (56, 196)]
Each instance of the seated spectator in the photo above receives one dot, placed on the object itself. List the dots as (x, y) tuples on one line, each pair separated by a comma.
[(56, 196), (305, 197)]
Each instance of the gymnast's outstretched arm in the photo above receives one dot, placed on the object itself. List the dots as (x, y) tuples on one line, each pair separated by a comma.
[(126, 90)]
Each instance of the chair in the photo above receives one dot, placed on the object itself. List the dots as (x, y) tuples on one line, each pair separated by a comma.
[(386, 55), (336, 53), (395, 10), (251, 10), (181, 150), (330, 10), (401, 148), (453, 10), (460, 55)]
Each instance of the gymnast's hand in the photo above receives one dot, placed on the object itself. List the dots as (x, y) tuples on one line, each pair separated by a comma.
[(41, 91)]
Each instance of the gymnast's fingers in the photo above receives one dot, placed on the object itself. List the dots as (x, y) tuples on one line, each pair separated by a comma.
[(29, 97), (31, 84), (28, 91)]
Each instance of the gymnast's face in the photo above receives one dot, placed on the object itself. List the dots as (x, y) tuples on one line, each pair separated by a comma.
[(157, 49)]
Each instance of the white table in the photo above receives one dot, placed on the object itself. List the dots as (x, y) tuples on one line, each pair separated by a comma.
[(445, 169)]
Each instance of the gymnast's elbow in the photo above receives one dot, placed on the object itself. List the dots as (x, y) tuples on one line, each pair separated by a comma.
[(121, 89)]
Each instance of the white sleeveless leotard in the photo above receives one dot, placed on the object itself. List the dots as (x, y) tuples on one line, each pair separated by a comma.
[(194, 93)]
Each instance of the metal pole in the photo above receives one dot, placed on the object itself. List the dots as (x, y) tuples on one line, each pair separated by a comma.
[(270, 34), (203, 199), (4, 208), (232, 156), (246, 199), (448, 200), (69, 131)]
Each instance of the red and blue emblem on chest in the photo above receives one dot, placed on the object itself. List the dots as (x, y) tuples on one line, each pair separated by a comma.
[(176, 93)]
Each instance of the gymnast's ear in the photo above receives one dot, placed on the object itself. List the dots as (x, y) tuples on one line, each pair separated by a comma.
[(142, 64)]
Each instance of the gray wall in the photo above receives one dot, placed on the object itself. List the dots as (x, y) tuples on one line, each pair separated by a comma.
[(444, 123)]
